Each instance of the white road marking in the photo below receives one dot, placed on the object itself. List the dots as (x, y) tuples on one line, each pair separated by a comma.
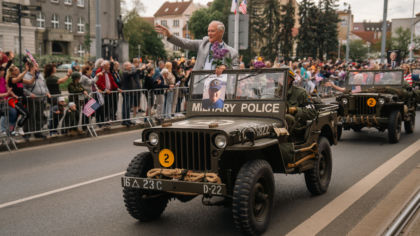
[(332, 210), (59, 190)]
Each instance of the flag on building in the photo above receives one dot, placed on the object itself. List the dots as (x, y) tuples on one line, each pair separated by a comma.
[(233, 7), (242, 7), (90, 107)]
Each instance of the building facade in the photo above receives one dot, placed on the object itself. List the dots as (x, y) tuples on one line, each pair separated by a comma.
[(174, 16), (63, 26), (9, 32)]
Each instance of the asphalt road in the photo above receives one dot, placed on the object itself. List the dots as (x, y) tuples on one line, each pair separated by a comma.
[(97, 208)]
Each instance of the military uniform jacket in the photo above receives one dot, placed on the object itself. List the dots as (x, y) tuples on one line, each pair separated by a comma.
[(297, 97)]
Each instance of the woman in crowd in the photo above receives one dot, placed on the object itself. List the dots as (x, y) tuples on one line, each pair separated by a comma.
[(14, 80), (169, 95), (52, 81)]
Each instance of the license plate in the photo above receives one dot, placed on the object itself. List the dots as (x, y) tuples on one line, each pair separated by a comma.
[(174, 186), (142, 183)]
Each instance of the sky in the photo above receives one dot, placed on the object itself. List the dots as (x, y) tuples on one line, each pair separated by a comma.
[(369, 10)]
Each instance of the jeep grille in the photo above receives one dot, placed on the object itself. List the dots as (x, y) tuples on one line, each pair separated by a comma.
[(191, 148), (361, 107)]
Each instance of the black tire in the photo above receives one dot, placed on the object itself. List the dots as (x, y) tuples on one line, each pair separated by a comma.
[(394, 127), (339, 132), (410, 125), (318, 179), (143, 209), (253, 197)]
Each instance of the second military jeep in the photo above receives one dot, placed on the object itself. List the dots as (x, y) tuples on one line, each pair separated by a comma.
[(379, 99), (234, 138)]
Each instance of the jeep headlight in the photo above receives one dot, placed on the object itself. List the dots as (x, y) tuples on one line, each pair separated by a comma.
[(220, 141), (345, 101), (153, 139), (381, 101)]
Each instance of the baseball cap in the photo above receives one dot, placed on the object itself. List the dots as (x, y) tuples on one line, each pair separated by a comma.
[(61, 99), (75, 75), (216, 84)]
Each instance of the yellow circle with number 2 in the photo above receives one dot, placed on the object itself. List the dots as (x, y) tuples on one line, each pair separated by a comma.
[(166, 158), (371, 102)]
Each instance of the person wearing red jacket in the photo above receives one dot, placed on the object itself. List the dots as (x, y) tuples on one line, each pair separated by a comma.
[(106, 84)]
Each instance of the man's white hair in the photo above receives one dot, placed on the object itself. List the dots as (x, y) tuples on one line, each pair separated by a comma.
[(98, 62), (164, 71), (104, 62), (220, 25)]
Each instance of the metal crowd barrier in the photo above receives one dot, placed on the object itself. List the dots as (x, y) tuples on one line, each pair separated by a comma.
[(41, 116)]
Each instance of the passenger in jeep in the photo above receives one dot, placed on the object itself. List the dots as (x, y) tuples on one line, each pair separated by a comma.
[(300, 108)]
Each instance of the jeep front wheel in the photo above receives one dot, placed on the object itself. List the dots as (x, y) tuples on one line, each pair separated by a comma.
[(143, 205), (253, 197), (394, 127), (318, 179)]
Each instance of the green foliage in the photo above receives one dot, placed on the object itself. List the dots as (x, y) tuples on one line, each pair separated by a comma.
[(307, 44), (318, 35), (201, 18), (358, 50), (87, 42), (287, 23), (401, 41), (266, 27), (141, 32)]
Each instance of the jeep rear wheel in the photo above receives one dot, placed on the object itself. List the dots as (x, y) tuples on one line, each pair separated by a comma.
[(139, 202), (394, 127), (253, 197), (409, 125), (318, 179)]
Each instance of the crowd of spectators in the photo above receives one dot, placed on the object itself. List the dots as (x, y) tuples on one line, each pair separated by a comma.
[(128, 94)]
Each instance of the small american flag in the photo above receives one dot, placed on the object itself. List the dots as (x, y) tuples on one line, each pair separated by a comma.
[(242, 7), (90, 107)]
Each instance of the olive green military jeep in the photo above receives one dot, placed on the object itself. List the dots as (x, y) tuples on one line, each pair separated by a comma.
[(379, 99), (234, 138)]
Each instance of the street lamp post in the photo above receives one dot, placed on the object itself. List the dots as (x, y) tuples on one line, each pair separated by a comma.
[(384, 32), (348, 35), (187, 34), (98, 32), (412, 32)]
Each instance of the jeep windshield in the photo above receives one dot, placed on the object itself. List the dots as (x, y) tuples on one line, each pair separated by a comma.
[(237, 92), (374, 78)]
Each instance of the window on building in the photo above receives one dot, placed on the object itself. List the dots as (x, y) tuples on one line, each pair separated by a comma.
[(176, 48), (176, 23), (55, 23), (55, 1), (356, 28), (40, 20), (81, 3), (164, 23), (68, 2), (68, 23), (81, 51), (81, 25), (167, 9)]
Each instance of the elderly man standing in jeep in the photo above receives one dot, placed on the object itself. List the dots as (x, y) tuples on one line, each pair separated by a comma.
[(203, 47)]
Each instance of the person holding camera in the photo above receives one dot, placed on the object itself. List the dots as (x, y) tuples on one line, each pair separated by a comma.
[(36, 93)]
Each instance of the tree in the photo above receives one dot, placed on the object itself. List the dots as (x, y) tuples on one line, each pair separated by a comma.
[(308, 14), (358, 50), (201, 18), (287, 22), (267, 27), (401, 41), (140, 32), (327, 29)]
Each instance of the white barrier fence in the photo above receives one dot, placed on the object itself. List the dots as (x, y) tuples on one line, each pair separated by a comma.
[(73, 114)]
